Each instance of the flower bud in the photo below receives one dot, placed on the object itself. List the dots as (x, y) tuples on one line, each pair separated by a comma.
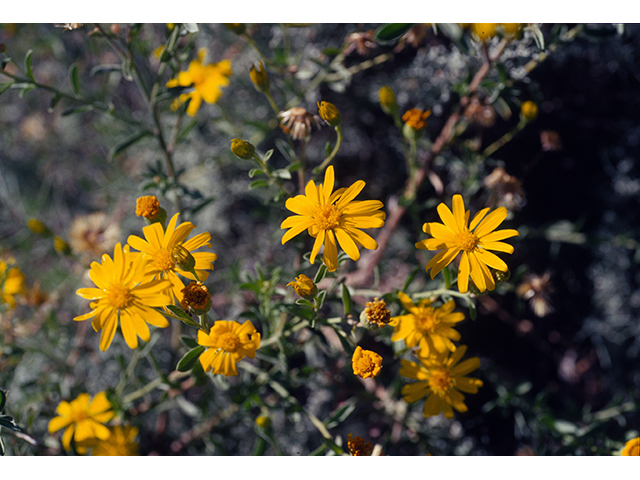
[(39, 228), (183, 258), (529, 110), (61, 246), (237, 28), (263, 421), (304, 286), (242, 149), (259, 78), (329, 113), (388, 100), (149, 208)]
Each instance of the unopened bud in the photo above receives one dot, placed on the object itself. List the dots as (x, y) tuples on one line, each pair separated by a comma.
[(304, 286), (529, 110), (39, 228), (259, 77), (183, 258), (329, 113), (242, 149), (388, 100), (61, 246)]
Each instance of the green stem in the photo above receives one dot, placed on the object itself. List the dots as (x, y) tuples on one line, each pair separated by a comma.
[(502, 141), (268, 173), (440, 292), (331, 156), (272, 102)]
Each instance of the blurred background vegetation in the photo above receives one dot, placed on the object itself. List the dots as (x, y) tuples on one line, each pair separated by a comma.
[(559, 342)]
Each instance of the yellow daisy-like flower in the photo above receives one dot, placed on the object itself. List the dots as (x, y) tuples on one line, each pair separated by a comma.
[(228, 342), (121, 443), (441, 379), (167, 249), (11, 284), (358, 446), (124, 294), (366, 363), (206, 80), (333, 216), (83, 419), (427, 326), (474, 241), (632, 448)]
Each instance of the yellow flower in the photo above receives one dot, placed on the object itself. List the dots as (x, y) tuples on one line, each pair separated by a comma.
[(333, 216), (358, 446), (206, 81), (529, 110), (388, 100), (416, 118), (365, 363), (147, 206), (441, 379), (11, 284), (474, 241), (121, 443), (124, 294), (83, 419), (632, 448), (166, 248), (429, 327), (228, 342), (484, 30), (304, 286)]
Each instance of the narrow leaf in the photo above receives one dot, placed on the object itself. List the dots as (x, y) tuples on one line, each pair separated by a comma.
[(189, 359), (5, 86), (391, 31), (322, 272), (3, 399), (127, 142), (183, 316), (54, 101), (346, 300), (27, 64), (258, 184), (74, 79)]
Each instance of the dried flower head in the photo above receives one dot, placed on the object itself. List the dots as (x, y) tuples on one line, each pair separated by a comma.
[(507, 190), (366, 363), (376, 314), (550, 141), (358, 446), (480, 114), (537, 289), (361, 42), (416, 118), (196, 297), (93, 234), (298, 122)]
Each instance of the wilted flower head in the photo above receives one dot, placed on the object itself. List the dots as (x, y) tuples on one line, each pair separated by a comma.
[(507, 189), (358, 446), (480, 114), (550, 141), (376, 314), (196, 298), (304, 286), (93, 234), (362, 42), (298, 121), (537, 289)]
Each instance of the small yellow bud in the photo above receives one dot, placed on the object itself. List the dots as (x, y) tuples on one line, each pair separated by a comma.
[(529, 110), (259, 77), (183, 258), (196, 297), (329, 113), (237, 28), (37, 227), (242, 149), (484, 30), (388, 100), (263, 421), (61, 246), (304, 286)]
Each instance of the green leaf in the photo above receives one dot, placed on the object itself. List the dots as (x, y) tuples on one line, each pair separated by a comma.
[(322, 272), (3, 399), (412, 275), (5, 86), (254, 171), (320, 298), (306, 303), (74, 110), (27, 64), (74, 79), (8, 422), (538, 36), (107, 68), (1, 446), (127, 142), (391, 31), (473, 312), (258, 184), (285, 149), (25, 90), (54, 101), (282, 173), (346, 300), (190, 342), (183, 316), (189, 359), (267, 156)]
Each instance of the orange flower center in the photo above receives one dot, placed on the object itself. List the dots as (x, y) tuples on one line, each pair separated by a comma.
[(163, 260), (119, 297), (365, 365), (327, 217), (426, 320), (467, 241), (229, 342), (440, 381)]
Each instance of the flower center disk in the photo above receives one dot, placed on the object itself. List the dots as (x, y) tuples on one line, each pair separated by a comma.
[(163, 260), (467, 241), (229, 342), (327, 217), (119, 297), (440, 381)]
